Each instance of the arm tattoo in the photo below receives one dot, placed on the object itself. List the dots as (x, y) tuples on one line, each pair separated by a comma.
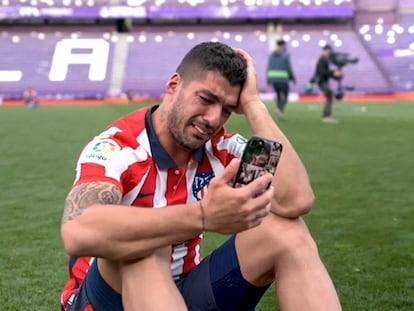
[(88, 194)]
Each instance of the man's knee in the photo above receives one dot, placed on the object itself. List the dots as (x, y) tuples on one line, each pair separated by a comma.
[(115, 273), (160, 258), (277, 243), (290, 237)]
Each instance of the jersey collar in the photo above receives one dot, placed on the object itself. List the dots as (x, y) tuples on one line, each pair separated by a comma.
[(159, 154)]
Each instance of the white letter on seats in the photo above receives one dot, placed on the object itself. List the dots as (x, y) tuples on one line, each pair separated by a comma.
[(96, 56)]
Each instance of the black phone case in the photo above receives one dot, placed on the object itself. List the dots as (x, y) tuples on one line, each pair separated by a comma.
[(260, 155)]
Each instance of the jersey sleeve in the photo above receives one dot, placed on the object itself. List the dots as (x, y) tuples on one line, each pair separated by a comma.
[(236, 145), (102, 160), (225, 147)]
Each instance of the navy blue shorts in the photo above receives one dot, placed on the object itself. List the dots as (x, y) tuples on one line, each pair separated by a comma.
[(215, 284)]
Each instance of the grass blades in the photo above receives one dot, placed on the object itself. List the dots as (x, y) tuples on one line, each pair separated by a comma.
[(362, 171)]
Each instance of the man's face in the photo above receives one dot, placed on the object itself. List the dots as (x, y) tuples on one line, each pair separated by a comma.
[(327, 52), (200, 109)]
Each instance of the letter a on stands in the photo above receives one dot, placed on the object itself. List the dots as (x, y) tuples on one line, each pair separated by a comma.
[(69, 52)]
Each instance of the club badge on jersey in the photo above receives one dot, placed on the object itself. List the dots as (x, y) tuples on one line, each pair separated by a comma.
[(201, 181)]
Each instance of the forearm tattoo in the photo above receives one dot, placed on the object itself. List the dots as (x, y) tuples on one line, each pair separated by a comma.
[(88, 194)]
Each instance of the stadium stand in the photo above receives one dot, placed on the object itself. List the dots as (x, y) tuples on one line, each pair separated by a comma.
[(150, 75), (393, 46), (30, 55), (178, 4), (129, 62)]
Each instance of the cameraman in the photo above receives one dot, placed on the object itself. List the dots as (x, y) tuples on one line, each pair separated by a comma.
[(323, 74)]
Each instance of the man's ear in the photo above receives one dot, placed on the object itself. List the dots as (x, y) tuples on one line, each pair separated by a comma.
[(173, 83)]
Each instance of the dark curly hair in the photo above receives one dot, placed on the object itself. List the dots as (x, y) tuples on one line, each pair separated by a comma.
[(213, 56)]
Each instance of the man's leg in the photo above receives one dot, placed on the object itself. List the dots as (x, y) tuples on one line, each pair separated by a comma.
[(147, 284), (283, 250), (328, 93), (217, 283), (279, 100), (277, 95), (241, 270), (284, 92)]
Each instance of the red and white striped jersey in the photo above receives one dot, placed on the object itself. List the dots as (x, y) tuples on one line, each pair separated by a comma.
[(129, 155)]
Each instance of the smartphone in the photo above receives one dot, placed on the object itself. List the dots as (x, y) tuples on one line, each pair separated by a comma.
[(260, 155)]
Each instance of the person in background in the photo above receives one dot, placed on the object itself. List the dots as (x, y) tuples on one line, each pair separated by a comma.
[(30, 97), (153, 182), (323, 74), (279, 74)]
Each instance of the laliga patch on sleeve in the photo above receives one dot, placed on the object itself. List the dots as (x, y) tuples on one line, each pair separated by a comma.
[(239, 146), (98, 151), (240, 139)]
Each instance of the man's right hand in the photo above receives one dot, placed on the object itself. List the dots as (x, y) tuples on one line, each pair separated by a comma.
[(230, 210)]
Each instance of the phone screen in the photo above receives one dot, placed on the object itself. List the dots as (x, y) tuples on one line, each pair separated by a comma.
[(260, 155)]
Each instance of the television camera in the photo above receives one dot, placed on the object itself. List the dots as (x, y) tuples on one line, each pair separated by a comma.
[(340, 59)]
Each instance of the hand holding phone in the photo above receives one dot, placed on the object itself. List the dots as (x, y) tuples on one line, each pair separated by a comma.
[(260, 155)]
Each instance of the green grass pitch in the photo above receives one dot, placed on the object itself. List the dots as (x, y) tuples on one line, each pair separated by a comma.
[(362, 172)]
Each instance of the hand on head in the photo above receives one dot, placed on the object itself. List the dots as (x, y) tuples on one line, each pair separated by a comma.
[(250, 91)]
